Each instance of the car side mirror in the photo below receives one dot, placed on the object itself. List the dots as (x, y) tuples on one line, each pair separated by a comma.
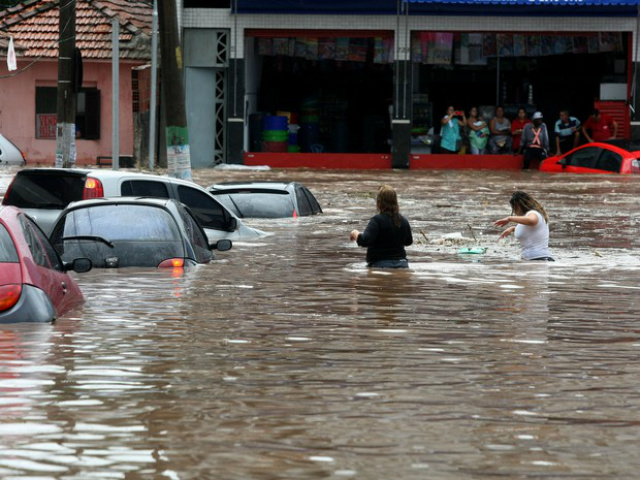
[(232, 224), (79, 265), (221, 245)]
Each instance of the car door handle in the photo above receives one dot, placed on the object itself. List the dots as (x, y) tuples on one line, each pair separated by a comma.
[(64, 288)]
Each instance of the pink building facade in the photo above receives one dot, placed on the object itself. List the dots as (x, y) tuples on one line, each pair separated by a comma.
[(28, 95), (34, 132)]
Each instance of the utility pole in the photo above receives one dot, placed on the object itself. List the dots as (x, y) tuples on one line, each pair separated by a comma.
[(66, 108), (176, 132)]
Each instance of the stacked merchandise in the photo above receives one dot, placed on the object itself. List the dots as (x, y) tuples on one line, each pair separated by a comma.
[(275, 136), (293, 138), (292, 117), (310, 125)]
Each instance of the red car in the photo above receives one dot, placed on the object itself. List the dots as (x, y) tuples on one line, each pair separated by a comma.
[(34, 285), (594, 158)]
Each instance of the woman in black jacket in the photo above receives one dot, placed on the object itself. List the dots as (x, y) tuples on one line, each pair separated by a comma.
[(387, 233)]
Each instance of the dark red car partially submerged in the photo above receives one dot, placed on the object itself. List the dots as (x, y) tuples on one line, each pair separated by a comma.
[(594, 158), (34, 283)]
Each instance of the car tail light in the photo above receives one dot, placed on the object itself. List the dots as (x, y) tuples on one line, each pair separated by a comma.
[(92, 188), (9, 296), (171, 263), (23, 156), (295, 214)]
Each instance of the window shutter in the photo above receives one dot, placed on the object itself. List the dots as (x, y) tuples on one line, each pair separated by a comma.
[(92, 115)]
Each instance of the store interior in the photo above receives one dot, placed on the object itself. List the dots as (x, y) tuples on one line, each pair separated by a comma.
[(342, 103)]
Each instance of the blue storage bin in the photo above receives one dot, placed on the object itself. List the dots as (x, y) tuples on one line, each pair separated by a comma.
[(275, 122)]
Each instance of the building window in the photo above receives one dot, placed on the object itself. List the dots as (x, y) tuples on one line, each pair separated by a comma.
[(87, 113)]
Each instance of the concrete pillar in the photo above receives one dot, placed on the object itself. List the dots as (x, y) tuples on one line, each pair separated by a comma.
[(635, 117), (235, 111), (401, 120), (401, 146)]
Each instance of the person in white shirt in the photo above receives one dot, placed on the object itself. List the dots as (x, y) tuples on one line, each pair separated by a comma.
[(531, 229)]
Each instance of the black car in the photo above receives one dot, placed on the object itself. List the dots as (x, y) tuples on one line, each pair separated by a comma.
[(266, 199), (132, 232)]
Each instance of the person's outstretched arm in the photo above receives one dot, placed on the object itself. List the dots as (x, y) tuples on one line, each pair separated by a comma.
[(530, 219), (506, 233)]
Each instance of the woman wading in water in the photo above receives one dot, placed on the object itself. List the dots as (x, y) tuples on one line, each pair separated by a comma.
[(387, 233), (531, 229)]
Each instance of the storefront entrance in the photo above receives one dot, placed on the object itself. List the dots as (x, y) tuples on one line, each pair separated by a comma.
[(544, 73), (335, 90)]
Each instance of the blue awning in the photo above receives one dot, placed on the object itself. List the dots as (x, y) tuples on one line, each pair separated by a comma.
[(545, 3), (532, 8)]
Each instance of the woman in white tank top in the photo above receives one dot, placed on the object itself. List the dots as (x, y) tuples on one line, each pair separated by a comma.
[(532, 226)]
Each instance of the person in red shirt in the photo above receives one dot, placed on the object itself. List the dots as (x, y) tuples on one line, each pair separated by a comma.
[(600, 127), (517, 126)]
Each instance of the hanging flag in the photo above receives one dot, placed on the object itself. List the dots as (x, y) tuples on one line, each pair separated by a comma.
[(11, 56)]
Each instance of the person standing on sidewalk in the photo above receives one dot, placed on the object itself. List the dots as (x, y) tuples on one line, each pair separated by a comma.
[(517, 127), (534, 142), (600, 127), (567, 130)]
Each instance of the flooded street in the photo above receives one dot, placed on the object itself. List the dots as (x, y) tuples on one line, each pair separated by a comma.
[(287, 358)]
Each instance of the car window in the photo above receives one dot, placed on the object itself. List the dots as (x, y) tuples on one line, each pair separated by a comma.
[(304, 207), (207, 211), (315, 206), (46, 191), (132, 235), (197, 237), (8, 252), (276, 204), (144, 188), (118, 222), (609, 161), (41, 250), (52, 256), (586, 157)]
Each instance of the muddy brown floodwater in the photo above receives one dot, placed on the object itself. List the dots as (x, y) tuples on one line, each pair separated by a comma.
[(288, 359)]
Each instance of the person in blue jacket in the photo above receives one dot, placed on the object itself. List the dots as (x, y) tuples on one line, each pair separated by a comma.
[(386, 234)]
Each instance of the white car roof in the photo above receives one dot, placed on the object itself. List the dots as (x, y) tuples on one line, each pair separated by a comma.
[(111, 174), (117, 174)]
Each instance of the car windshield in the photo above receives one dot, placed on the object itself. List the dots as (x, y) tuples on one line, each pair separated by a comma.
[(276, 204), (8, 251), (44, 190), (119, 235)]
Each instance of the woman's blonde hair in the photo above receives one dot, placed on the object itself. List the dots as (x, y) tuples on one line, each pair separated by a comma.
[(521, 203), (387, 202)]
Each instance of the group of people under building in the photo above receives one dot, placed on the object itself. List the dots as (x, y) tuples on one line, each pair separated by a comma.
[(525, 136)]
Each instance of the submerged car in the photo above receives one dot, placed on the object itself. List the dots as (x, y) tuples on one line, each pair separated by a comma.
[(133, 232), (9, 153), (266, 199), (594, 158), (34, 283), (44, 192)]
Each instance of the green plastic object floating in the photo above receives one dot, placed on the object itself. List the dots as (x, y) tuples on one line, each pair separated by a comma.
[(472, 251)]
